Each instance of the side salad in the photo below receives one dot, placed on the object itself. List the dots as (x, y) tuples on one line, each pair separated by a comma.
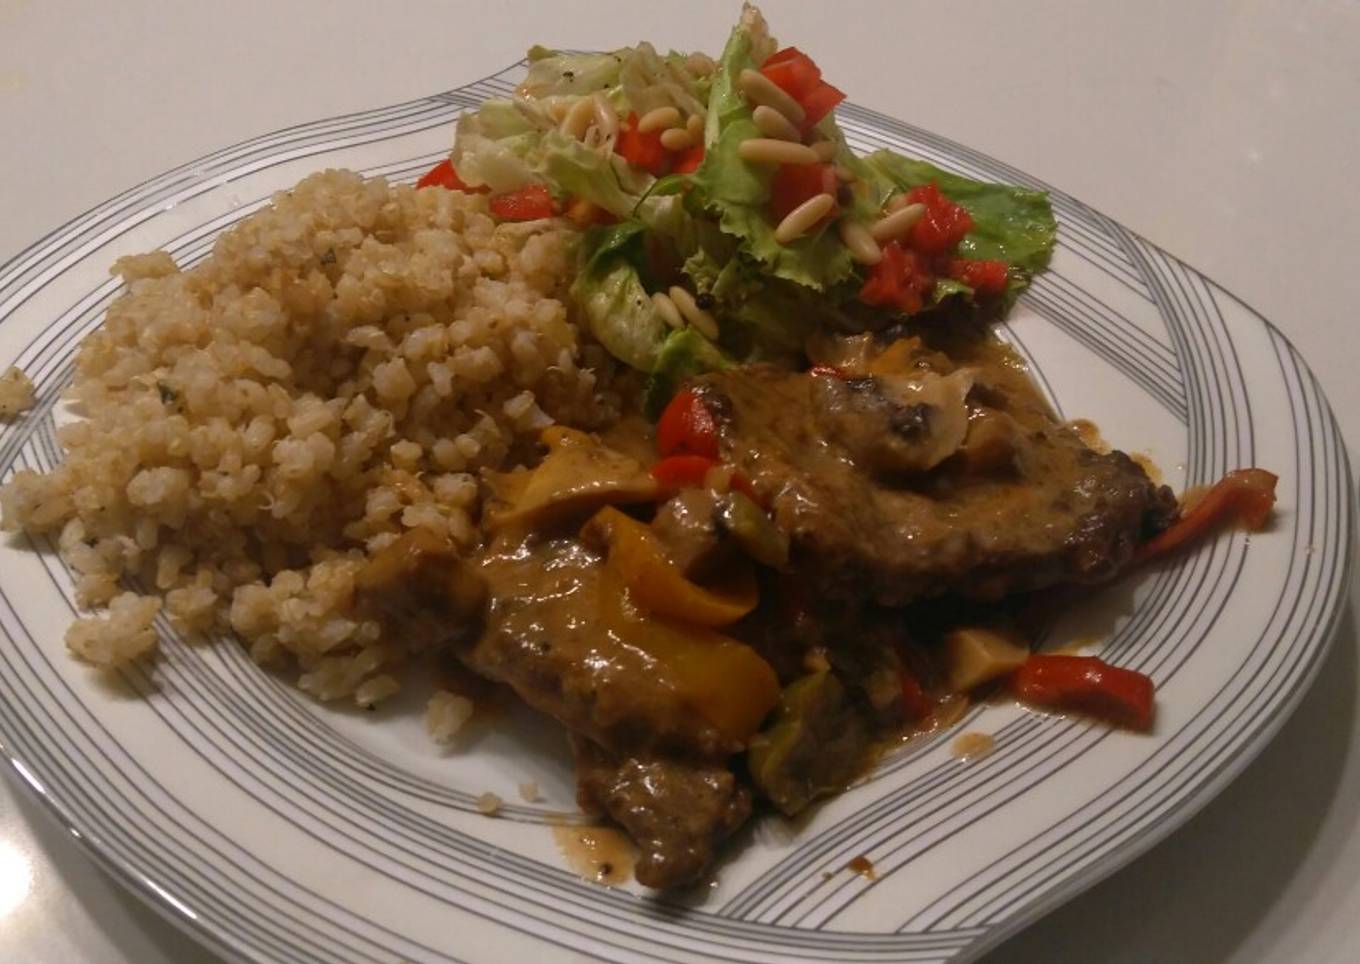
[(726, 217)]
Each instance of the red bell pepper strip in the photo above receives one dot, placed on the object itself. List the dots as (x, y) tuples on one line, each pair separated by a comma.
[(444, 175), (916, 703), (641, 150), (943, 225), (1245, 494), (984, 277), (688, 160), (683, 471), (900, 280), (686, 427), (821, 101), (793, 72), (1087, 685), (793, 184), (527, 204)]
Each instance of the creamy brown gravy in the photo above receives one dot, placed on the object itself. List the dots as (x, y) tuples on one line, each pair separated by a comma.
[(602, 855), (972, 746), (863, 866)]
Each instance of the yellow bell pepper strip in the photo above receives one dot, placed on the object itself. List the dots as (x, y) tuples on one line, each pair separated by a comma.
[(657, 584), (578, 475), (726, 682)]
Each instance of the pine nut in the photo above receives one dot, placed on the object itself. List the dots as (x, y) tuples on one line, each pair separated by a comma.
[(667, 310), (578, 118), (797, 222), (759, 89), (606, 117), (774, 124), (826, 150), (844, 174), (898, 202), (695, 126), (676, 139), (659, 119), (861, 244), (767, 150), (696, 316), (893, 226), (700, 64)]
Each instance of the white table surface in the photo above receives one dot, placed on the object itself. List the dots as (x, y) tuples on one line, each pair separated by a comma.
[(1227, 132)]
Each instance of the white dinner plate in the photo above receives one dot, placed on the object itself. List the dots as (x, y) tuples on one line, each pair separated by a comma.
[(277, 829)]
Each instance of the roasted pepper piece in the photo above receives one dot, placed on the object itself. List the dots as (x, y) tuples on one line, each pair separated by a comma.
[(639, 560)]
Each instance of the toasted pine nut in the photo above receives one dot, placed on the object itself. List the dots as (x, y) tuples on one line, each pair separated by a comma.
[(700, 64), (895, 225), (759, 89), (558, 107), (797, 222), (659, 119), (767, 150), (898, 202), (774, 124), (606, 117), (826, 150), (695, 126), (696, 316), (844, 174), (861, 244), (676, 139), (667, 310), (578, 118)]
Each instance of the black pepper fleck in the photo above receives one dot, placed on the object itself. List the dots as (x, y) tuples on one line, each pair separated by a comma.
[(705, 300)]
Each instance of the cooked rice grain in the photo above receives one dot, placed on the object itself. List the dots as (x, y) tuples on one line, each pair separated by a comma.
[(335, 374), (16, 393)]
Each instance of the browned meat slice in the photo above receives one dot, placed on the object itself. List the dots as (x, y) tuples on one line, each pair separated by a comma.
[(558, 634), (677, 811), (887, 494)]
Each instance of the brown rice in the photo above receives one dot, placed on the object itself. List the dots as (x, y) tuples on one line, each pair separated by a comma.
[(337, 372)]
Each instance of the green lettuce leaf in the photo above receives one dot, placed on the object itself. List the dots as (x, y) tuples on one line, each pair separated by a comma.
[(1010, 223), (684, 354), (738, 192), (609, 293), (554, 73), (580, 171)]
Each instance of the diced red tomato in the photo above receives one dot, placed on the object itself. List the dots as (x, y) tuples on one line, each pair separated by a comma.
[(819, 102), (943, 225), (1088, 685), (643, 151), (529, 203), (984, 277), (900, 280), (688, 160), (444, 175), (793, 72), (686, 427), (916, 703), (793, 184), (682, 471), (1247, 494)]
